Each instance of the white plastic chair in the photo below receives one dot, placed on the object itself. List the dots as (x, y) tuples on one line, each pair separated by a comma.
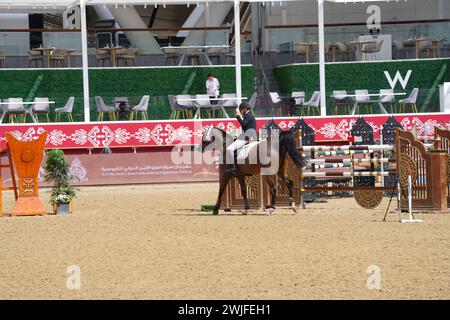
[(67, 109), (15, 107), (371, 49), (341, 100), (141, 108), (275, 97), (387, 98), (180, 107), (362, 98), (314, 102), (41, 106), (410, 101), (3, 109), (299, 97), (102, 108)]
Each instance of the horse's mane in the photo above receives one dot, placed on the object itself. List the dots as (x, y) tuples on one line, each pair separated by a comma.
[(288, 146)]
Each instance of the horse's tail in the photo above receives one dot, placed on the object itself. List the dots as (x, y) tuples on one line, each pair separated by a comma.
[(287, 144)]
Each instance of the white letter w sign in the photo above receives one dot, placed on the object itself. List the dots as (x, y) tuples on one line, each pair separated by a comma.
[(398, 77)]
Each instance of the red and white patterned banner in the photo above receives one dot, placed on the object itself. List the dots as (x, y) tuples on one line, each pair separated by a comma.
[(175, 132)]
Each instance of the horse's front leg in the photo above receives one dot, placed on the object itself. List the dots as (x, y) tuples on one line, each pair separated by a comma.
[(223, 184), (244, 193)]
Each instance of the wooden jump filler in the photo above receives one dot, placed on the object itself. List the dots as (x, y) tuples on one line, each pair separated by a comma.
[(27, 157), (8, 165)]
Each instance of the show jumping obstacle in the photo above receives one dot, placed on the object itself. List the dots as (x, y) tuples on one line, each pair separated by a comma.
[(414, 159), (9, 164), (427, 164), (27, 157), (442, 137), (366, 193)]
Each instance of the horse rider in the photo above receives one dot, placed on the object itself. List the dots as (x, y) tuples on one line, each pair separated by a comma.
[(248, 124)]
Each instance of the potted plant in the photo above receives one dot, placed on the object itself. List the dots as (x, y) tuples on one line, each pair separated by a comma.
[(57, 171)]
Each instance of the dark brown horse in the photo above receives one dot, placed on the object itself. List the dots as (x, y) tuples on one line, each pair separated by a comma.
[(218, 140)]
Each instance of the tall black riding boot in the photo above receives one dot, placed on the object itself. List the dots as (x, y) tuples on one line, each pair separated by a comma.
[(233, 168)]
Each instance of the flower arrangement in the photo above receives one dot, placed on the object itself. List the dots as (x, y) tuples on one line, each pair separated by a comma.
[(57, 171), (64, 195)]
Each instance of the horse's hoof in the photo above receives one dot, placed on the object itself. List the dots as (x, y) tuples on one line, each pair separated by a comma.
[(303, 205), (244, 212), (215, 212), (291, 202), (294, 208), (268, 210)]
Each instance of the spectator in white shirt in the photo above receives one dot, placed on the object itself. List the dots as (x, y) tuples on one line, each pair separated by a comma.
[(212, 87)]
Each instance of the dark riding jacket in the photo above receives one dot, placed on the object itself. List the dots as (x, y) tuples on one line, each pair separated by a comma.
[(248, 123)]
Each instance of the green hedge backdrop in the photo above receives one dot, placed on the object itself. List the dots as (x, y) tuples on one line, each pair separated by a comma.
[(426, 75), (60, 84)]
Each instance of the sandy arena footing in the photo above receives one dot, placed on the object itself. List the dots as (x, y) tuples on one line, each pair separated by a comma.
[(153, 242)]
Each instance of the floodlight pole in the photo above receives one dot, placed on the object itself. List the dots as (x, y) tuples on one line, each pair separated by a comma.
[(85, 61), (323, 98), (237, 50)]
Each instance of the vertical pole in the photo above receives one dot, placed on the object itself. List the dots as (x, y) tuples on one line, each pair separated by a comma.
[(441, 11), (382, 155), (410, 198), (206, 40), (84, 53), (323, 101), (411, 217), (399, 201), (1, 187), (237, 50)]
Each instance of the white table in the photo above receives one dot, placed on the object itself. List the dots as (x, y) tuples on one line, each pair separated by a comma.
[(370, 95), (199, 107), (183, 49), (27, 108)]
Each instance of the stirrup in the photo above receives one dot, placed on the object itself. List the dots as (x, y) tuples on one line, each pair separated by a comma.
[(231, 170)]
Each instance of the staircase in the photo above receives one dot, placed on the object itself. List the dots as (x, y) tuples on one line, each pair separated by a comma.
[(265, 77), (53, 21), (245, 10), (265, 82)]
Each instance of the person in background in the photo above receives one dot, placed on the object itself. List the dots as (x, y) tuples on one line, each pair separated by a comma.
[(291, 107), (212, 88)]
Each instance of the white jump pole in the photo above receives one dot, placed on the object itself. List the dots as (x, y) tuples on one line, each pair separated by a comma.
[(411, 218), (237, 50), (348, 174), (382, 153), (85, 62), (370, 148), (350, 160), (323, 98), (399, 201)]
